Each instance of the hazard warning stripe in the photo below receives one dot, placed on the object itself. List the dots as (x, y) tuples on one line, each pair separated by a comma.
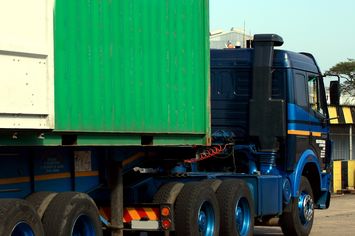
[(341, 114), (333, 115), (105, 212), (152, 215), (130, 214), (139, 213)]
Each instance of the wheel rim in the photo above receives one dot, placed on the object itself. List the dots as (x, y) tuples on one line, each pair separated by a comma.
[(83, 227), (242, 216), (22, 229), (206, 219), (305, 207)]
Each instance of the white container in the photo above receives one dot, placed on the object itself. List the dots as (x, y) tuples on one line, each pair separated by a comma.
[(26, 64)]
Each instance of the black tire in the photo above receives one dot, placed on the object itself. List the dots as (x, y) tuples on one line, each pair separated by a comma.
[(293, 223), (18, 217), (40, 201), (235, 195), (69, 212), (195, 201), (168, 193), (213, 183)]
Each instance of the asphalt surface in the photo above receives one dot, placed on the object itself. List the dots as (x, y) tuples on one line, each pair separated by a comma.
[(338, 220)]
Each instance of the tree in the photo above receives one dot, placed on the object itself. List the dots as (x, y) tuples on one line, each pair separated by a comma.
[(345, 70)]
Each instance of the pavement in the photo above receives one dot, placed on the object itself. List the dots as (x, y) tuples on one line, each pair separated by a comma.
[(338, 220)]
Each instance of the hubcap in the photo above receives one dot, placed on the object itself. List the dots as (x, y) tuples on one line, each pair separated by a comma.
[(22, 229), (202, 221), (305, 207), (206, 219), (83, 227), (242, 216)]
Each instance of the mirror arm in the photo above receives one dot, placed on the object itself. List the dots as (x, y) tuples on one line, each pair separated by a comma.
[(329, 119)]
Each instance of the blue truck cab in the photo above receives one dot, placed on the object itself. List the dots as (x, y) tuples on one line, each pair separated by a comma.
[(272, 104)]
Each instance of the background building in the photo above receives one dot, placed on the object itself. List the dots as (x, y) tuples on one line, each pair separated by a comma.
[(342, 131), (235, 37), (342, 127), (345, 99)]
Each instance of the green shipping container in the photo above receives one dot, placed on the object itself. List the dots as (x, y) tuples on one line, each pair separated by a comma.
[(132, 72)]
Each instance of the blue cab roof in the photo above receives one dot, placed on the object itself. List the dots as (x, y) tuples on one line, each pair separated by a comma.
[(243, 58)]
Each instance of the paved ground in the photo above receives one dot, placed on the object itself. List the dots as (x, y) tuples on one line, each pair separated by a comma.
[(338, 220)]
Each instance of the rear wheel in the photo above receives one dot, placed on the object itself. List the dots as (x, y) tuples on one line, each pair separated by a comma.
[(299, 220), (70, 214), (213, 183), (237, 209), (18, 218), (197, 211), (40, 201), (168, 193)]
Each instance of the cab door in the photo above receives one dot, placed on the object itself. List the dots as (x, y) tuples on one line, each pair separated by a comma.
[(298, 137), (319, 122)]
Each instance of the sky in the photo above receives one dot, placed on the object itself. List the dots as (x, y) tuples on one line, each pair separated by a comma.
[(325, 28)]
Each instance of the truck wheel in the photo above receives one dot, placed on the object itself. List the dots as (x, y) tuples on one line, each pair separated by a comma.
[(237, 208), (40, 201), (70, 214), (18, 218), (168, 193), (299, 220), (213, 183), (196, 211)]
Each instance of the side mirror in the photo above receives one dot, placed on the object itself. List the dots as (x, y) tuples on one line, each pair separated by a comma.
[(334, 93)]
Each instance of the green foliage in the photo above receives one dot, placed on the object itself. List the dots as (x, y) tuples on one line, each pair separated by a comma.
[(345, 70)]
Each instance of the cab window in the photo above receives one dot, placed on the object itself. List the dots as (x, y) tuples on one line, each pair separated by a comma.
[(300, 90), (315, 101)]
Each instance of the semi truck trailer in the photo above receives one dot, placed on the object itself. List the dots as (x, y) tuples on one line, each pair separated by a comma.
[(117, 119)]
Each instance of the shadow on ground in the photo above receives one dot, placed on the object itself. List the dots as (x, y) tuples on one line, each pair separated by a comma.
[(271, 231)]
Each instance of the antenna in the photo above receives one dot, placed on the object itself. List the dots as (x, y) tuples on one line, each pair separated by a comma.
[(244, 36)]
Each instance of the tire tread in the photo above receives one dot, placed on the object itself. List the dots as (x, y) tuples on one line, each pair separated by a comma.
[(290, 222), (185, 208), (226, 193)]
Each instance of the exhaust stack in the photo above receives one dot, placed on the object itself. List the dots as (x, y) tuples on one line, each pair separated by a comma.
[(267, 121)]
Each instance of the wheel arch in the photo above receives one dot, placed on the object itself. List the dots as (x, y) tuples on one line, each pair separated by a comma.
[(311, 172), (308, 166)]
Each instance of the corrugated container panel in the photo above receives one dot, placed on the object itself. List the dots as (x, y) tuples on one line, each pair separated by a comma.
[(340, 147), (132, 66), (341, 142)]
